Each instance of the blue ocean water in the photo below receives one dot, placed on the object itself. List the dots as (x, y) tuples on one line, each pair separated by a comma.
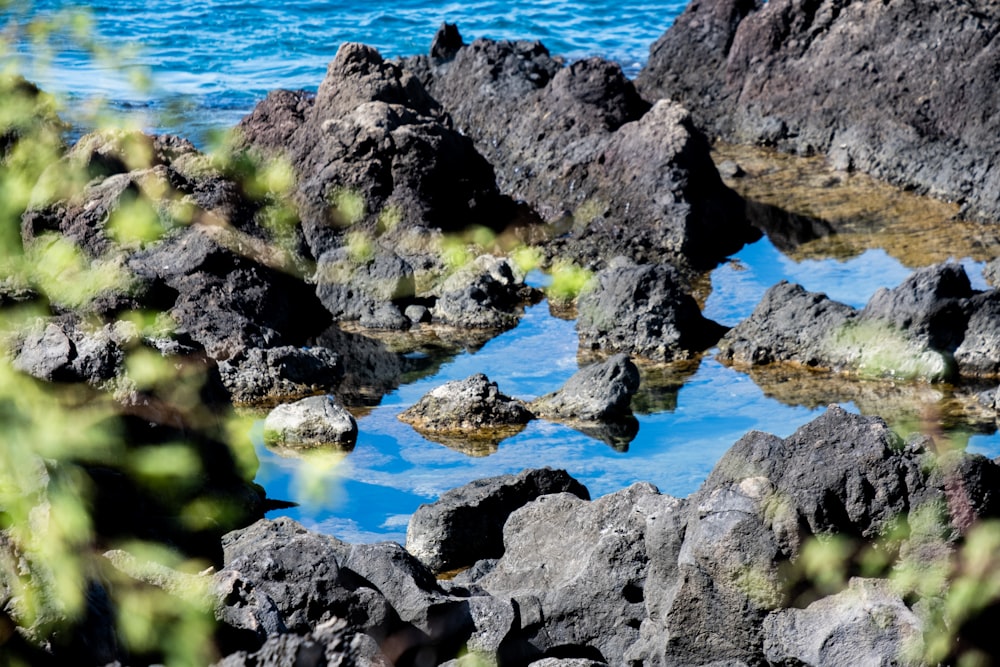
[(210, 61)]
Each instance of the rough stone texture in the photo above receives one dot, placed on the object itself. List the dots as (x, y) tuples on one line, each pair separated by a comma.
[(748, 71), (979, 352), (576, 570), (412, 591), (63, 350), (466, 524), (642, 310), (789, 324), (867, 624), (466, 406), (599, 392), (317, 421), (373, 133), (484, 294), (299, 572), (226, 300), (259, 376), (932, 326), (329, 644), (354, 288), (617, 176)]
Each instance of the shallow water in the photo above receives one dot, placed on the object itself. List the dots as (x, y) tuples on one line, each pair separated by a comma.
[(703, 409), (210, 62)]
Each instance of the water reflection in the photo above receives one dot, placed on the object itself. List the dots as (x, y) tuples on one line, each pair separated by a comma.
[(842, 234)]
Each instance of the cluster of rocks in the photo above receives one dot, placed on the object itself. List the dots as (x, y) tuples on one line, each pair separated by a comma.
[(395, 167), (635, 577), (933, 326), (838, 78), (474, 416)]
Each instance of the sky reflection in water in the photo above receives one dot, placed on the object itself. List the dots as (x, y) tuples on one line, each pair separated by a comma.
[(393, 469)]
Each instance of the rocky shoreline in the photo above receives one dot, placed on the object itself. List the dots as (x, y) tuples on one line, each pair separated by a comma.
[(404, 202)]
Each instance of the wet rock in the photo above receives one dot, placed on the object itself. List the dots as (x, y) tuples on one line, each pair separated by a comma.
[(617, 176), (484, 294), (317, 421), (642, 310), (744, 68), (599, 392), (473, 407), (867, 623), (277, 375), (373, 144), (465, 524), (576, 570)]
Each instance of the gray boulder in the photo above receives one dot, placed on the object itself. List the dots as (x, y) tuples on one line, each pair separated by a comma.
[(616, 176), (867, 624), (576, 570), (293, 578), (65, 350), (466, 524), (317, 421), (277, 375), (642, 310), (473, 407), (599, 392), (355, 288), (331, 643), (748, 72), (932, 326), (225, 300), (372, 151)]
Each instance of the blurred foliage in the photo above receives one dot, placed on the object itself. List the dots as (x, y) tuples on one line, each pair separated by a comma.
[(52, 554)]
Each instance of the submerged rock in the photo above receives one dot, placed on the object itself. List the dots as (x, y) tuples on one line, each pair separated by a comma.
[(748, 72), (317, 421)]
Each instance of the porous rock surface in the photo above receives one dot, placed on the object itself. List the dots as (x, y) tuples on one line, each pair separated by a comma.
[(932, 326), (465, 524), (838, 77), (466, 406), (280, 374), (638, 577), (374, 134), (643, 310), (317, 421), (618, 175), (598, 392)]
